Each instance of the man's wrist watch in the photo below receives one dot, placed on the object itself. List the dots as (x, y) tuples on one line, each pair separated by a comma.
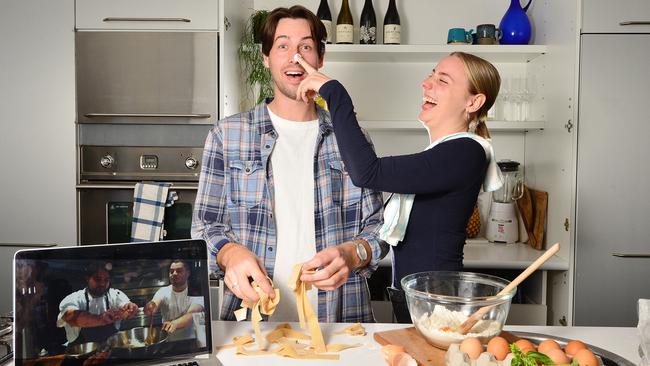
[(362, 252)]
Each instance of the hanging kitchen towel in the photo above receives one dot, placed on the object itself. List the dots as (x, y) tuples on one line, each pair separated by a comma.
[(149, 200)]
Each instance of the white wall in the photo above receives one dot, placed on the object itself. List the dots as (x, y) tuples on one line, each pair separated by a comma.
[(37, 139)]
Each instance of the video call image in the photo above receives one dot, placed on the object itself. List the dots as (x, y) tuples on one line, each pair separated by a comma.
[(86, 312)]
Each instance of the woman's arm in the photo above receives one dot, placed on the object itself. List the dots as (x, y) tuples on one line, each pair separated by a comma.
[(447, 166)]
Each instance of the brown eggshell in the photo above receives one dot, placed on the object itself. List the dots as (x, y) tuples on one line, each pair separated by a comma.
[(525, 345), (389, 352), (471, 346), (548, 345), (557, 356), (498, 347), (585, 357), (572, 347)]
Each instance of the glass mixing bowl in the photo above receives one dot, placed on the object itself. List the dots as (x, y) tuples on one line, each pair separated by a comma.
[(440, 301)]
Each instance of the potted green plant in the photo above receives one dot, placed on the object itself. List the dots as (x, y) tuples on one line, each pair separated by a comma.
[(258, 82)]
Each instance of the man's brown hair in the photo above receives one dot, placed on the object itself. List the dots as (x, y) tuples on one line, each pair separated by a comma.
[(318, 31)]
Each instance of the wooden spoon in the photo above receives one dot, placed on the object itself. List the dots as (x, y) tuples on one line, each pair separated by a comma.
[(471, 321)]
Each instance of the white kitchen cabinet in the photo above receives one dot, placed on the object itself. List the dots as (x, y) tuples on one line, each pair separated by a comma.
[(624, 16), (37, 154), (147, 14)]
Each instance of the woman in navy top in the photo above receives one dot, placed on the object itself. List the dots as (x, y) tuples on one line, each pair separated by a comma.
[(436, 188)]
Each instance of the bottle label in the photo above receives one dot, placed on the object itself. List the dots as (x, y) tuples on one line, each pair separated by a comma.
[(368, 35), (344, 33), (392, 34), (328, 29)]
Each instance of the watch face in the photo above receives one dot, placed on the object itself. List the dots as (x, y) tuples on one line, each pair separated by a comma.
[(361, 252)]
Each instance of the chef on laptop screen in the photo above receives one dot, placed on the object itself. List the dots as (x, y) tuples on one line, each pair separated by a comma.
[(109, 310)]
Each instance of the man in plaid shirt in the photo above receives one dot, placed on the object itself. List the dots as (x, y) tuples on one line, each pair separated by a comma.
[(274, 192)]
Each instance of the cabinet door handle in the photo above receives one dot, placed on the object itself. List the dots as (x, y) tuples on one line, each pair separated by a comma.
[(630, 255), (117, 19), (170, 115), (635, 22)]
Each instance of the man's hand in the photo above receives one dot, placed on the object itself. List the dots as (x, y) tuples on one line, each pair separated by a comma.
[(333, 266), (150, 308), (128, 311), (310, 85), (170, 326), (110, 316), (239, 264)]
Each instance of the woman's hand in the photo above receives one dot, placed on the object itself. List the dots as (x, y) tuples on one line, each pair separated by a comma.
[(309, 86)]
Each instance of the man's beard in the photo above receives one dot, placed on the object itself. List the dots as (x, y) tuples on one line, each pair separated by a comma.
[(98, 291)]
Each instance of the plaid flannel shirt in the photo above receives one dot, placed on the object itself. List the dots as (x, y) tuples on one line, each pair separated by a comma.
[(234, 203)]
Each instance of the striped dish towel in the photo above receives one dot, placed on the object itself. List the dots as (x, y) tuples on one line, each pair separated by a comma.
[(148, 211)]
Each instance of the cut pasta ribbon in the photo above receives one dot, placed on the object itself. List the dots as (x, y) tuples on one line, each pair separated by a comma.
[(283, 335), (355, 329), (288, 343), (305, 312), (264, 305)]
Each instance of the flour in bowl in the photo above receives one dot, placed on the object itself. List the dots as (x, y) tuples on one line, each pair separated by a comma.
[(431, 325)]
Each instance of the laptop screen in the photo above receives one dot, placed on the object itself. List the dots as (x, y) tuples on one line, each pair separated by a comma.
[(111, 304)]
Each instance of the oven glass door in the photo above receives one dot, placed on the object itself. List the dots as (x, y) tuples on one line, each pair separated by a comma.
[(105, 216), (176, 224)]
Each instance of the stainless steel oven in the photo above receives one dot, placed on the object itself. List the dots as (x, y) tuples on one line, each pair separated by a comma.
[(146, 77), (105, 192)]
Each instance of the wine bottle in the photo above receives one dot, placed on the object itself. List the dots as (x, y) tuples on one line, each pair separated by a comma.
[(325, 16), (344, 24), (392, 28), (368, 24)]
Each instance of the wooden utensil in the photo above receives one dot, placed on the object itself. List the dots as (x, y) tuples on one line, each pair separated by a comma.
[(150, 339), (471, 321)]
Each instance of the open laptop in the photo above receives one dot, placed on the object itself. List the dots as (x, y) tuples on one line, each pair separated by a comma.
[(61, 296)]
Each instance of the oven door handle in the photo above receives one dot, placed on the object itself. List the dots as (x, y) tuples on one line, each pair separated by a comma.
[(173, 186), (146, 115), (119, 19)]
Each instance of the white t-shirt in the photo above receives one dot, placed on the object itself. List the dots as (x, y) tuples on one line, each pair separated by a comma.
[(173, 305), (96, 306), (292, 160)]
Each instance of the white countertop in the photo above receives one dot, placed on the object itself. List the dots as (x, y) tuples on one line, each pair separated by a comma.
[(621, 341), (482, 254)]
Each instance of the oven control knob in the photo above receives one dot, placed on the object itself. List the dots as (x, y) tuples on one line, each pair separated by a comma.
[(191, 163), (107, 161)]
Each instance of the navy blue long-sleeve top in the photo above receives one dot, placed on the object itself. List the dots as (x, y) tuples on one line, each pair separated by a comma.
[(445, 180)]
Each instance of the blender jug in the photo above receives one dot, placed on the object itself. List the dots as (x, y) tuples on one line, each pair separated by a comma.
[(502, 224), (513, 184)]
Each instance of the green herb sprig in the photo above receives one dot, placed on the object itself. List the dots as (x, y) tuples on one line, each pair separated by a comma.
[(531, 358)]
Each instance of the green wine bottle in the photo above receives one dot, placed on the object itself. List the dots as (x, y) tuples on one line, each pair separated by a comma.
[(344, 24)]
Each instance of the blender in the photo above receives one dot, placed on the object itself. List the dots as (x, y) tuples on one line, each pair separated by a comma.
[(502, 222)]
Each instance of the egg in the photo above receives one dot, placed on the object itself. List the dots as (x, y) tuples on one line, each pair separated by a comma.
[(498, 347), (557, 356), (585, 357), (525, 345), (572, 347), (548, 345), (471, 346)]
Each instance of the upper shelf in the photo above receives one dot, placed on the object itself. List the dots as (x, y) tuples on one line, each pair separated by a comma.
[(502, 126), (428, 53)]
